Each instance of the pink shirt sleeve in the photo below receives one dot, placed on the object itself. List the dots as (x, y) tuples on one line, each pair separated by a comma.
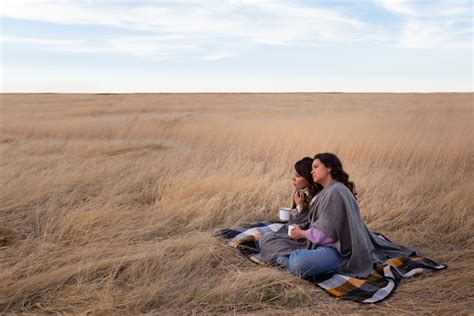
[(318, 237)]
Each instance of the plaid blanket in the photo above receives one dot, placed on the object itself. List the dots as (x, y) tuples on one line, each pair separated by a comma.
[(373, 289)]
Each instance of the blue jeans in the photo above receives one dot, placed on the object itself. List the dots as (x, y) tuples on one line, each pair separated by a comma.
[(315, 262)]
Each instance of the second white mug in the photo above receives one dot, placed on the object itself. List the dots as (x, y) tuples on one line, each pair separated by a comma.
[(285, 214)]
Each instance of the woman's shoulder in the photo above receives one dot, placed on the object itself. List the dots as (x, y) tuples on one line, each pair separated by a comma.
[(335, 185), (334, 190), (339, 187)]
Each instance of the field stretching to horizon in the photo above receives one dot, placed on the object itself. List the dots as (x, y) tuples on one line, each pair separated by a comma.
[(109, 202)]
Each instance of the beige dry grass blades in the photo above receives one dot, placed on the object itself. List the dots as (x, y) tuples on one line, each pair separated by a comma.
[(108, 202)]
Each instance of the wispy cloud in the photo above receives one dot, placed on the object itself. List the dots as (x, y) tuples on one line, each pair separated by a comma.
[(432, 8), (266, 21), (191, 25), (396, 6), (437, 24), (220, 55), (154, 47), (237, 45), (52, 44)]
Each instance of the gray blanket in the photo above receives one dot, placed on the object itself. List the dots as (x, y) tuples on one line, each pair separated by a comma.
[(336, 213), (273, 245)]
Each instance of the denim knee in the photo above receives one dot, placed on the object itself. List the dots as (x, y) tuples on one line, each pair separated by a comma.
[(295, 263), (315, 262)]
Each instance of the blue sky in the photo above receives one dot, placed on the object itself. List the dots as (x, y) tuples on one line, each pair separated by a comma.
[(236, 46)]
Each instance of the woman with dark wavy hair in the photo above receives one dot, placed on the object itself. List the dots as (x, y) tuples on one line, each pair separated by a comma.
[(336, 171), (274, 245), (338, 241), (305, 189)]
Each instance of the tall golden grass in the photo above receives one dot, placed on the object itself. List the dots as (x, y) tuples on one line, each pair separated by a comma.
[(109, 202)]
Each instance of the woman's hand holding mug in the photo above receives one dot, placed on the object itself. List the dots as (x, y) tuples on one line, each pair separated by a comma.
[(297, 233)]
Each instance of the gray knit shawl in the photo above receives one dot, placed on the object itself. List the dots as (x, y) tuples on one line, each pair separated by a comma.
[(336, 213)]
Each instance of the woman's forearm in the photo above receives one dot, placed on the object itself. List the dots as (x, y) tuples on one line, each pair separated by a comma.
[(316, 236)]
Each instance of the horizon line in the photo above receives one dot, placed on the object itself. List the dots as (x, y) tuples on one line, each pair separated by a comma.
[(241, 92)]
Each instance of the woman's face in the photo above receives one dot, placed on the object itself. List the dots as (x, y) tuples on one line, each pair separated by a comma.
[(320, 172), (299, 182)]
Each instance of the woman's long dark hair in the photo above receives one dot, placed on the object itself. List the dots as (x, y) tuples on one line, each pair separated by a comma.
[(330, 160), (303, 168)]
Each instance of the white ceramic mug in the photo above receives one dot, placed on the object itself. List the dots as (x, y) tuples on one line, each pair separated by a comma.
[(285, 214), (290, 229)]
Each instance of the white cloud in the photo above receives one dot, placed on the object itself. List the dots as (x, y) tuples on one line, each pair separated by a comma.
[(220, 55), (431, 8), (268, 22), (155, 47), (188, 25), (397, 6), (218, 30), (160, 47), (434, 34), (51, 43), (433, 24)]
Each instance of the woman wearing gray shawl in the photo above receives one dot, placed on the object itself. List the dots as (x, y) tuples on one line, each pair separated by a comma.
[(338, 241), (276, 244)]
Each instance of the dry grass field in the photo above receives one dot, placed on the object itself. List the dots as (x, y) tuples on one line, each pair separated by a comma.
[(109, 202)]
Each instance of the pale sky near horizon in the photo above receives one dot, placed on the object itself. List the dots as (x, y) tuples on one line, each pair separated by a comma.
[(237, 46)]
